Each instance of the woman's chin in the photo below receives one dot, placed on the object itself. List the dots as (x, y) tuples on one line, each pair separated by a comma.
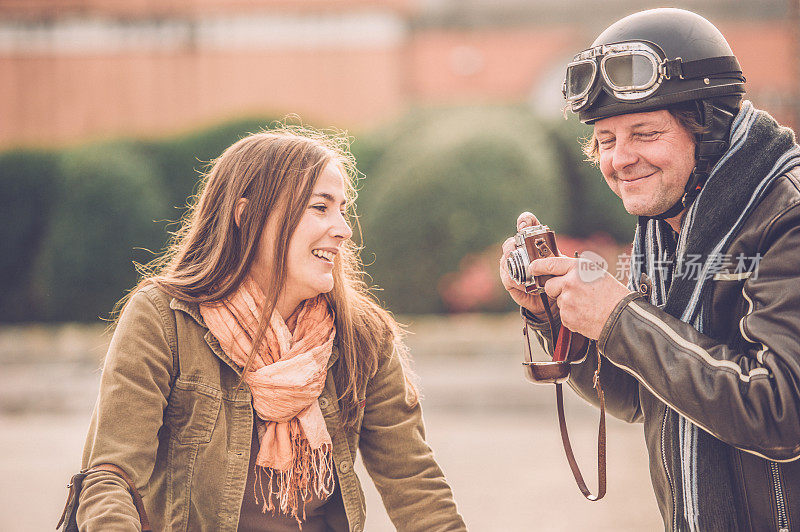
[(324, 286)]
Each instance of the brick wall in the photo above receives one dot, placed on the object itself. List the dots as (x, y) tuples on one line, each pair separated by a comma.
[(69, 78)]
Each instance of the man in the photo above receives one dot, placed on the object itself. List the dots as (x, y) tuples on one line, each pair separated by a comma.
[(706, 353)]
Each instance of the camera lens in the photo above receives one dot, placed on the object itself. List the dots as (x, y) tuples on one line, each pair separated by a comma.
[(517, 263)]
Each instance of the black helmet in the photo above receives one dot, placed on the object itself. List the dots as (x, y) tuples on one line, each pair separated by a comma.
[(654, 60), (651, 60)]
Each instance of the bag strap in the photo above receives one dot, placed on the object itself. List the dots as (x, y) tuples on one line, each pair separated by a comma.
[(75, 488)]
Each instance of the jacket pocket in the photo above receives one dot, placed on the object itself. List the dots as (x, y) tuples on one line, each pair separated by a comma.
[(192, 411)]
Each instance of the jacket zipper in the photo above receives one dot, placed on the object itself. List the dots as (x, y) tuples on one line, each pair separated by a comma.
[(666, 470), (780, 502)]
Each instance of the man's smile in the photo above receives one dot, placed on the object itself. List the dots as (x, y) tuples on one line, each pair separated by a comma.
[(627, 183), (633, 180)]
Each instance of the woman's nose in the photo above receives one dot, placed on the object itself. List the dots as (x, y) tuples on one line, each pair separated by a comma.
[(341, 229)]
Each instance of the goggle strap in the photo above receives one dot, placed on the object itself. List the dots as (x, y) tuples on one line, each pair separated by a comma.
[(673, 68), (703, 68)]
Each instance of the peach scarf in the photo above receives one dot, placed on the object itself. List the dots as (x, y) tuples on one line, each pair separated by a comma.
[(286, 378)]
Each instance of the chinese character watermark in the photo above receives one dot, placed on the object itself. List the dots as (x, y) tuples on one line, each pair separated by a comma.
[(693, 266)]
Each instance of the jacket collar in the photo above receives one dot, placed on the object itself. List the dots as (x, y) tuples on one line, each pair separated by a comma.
[(193, 310)]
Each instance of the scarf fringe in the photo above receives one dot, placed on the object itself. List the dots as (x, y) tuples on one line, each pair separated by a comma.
[(311, 473)]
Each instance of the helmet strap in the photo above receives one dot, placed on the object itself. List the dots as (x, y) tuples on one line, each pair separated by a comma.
[(716, 121), (672, 212)]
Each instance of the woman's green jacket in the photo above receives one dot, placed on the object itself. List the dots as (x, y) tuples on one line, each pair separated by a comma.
[(172, 415)]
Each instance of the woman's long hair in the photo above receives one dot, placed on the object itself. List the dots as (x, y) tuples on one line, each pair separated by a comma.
[(210, 255)]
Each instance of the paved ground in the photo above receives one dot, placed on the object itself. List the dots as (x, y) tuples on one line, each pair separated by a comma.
[(495, 436)]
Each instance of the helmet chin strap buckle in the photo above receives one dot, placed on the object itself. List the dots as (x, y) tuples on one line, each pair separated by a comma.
[(689, 197), (695, 185)]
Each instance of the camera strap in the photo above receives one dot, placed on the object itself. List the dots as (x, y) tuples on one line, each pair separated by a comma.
[(563, 340), (601, 446)]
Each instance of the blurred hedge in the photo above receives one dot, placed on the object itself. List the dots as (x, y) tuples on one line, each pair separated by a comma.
[(72, 222), (27, 180), (450, 183), (439, 185), (87, 255), (180, 160)]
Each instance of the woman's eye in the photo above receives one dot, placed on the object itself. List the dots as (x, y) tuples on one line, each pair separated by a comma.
[(320, 207)]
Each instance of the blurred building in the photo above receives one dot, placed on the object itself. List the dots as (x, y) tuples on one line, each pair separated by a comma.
[(77, 69)]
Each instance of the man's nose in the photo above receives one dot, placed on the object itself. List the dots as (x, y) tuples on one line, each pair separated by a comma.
[(624, 155)]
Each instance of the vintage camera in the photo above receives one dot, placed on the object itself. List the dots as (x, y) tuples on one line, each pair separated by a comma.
[(535, 243), (531, 243)]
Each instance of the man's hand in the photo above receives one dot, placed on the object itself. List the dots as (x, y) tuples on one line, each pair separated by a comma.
[(586, 294), (532, 302)]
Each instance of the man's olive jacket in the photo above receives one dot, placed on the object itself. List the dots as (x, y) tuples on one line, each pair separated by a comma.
[(172, 415), (740, 382)]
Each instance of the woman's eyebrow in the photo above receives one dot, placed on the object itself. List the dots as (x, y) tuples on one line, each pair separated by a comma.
[(327, 196)]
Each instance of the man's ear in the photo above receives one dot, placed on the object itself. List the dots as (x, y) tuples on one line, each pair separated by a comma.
[(238, 210)]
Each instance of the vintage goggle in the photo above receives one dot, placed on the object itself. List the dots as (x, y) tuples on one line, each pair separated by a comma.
[(631, 71)]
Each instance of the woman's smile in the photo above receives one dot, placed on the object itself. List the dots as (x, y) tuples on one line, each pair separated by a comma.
[(325, 254)]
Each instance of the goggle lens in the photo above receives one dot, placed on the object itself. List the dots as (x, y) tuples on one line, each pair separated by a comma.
[(580, 77), (630, 71)]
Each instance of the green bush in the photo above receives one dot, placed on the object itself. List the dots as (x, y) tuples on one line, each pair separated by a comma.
[(439, 185), (110, 201), (443, 184), (450, 183), (181, 160), (27, 181), (73, 222)]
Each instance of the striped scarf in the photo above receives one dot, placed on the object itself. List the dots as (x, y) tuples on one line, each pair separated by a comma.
[(760, 151)]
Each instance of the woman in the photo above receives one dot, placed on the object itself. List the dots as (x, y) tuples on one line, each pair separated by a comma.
[(251, 363)]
